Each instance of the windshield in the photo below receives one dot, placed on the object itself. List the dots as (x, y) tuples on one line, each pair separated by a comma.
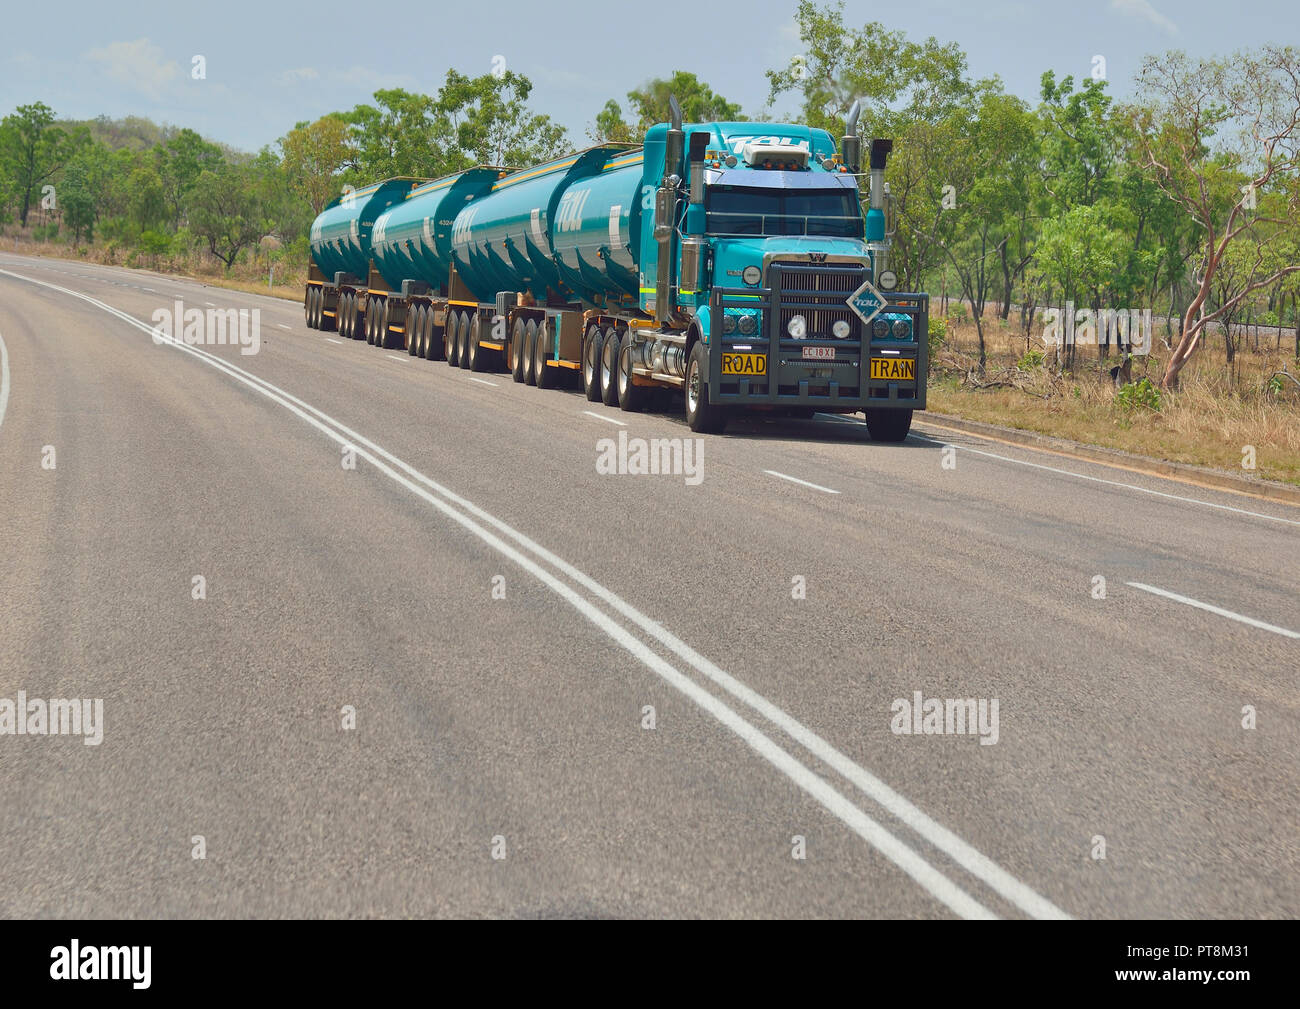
[(737, 211)]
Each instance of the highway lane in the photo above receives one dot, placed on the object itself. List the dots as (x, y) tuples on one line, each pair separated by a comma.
[(1119, 717)]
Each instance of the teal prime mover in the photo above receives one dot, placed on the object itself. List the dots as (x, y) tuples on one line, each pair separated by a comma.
[(732, 261)]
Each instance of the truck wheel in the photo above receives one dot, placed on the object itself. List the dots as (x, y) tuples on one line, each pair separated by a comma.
[(306, 307), (518, 340), (888, 425), (609, 367), (478, 357), (591, 363), (343, 314), (529, 351), (414, 329), (544, 377), (462, 340), (451, 338), (631, 397), (702, 416)]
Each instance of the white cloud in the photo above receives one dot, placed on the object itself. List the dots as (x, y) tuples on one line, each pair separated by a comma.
[(1142, 9), (139, 66)]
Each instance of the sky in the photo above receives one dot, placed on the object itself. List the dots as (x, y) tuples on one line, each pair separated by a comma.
[(271, 65)]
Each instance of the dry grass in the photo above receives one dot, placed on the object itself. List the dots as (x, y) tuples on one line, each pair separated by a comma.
[(1210, 421), (290, 278)]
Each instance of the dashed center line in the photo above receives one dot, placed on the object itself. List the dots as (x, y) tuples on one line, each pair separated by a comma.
[(1214, 609), (394, 357), (480, 381), (332, 340), (283, 326), (601, 416), (805, 483)]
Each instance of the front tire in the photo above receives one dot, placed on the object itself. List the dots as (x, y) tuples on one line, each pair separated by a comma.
[(702, 416), (591, 363), (888, 425)]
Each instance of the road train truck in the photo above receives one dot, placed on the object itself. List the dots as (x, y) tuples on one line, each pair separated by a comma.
[(731, 263)]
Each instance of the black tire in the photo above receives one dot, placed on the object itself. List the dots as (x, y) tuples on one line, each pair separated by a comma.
[(327, 324), (372, 318), (478, 357), (451, 338), (344, 302), (364, 321), (702, 416), (462, 340), (530, 351), (414, 330), (591, 363), (631, 397), (518, 344), (609, 367), (544, 376), (888, 425), (315, 308), (383, 338), (306, 306)]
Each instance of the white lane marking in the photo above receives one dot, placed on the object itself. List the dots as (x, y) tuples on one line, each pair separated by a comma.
[(4, 378), (149, 289), (805, 483), (394, 357), (482, 381), (601, 416), (332, 340), (210, 304), (1214, 609), (970, 859), (1114, 483), (283, 326)]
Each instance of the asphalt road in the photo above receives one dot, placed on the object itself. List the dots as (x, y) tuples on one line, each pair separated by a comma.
[(516, 726)]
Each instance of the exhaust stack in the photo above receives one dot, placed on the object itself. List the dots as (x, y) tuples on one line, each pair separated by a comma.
[(665, 208)]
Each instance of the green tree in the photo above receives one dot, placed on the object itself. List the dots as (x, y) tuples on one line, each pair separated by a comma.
[(33, 150), (649, 103), (314, 156), (148, 201), (179, 163), (224, 211)]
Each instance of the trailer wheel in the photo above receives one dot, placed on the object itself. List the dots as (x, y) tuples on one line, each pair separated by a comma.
[(306, 306), (609, 367), (414, 327), (341, 320), (631, 397), (311, 307), (888, 425), (591, 363), (462, 341), (530, 353), (450, 338), (477, 355), (515, 357), (544, 376), (702, 416)]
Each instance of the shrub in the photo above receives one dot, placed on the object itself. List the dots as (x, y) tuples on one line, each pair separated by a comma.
[(1032, 359), (1139, 395)]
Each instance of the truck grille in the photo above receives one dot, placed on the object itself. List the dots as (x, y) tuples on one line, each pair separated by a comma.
[(819, 295)]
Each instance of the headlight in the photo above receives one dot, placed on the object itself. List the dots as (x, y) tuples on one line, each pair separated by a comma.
[(841, 329), (728, 323), (752, 276), (902, 330), (797, 327), (748, 324), (880, 328)]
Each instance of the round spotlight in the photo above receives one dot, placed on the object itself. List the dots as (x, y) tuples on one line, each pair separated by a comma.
[(888, 280), (902, 330), (841, 329), (880, 328), (797, 327), (752, 276), (728, 324), (748, 325)]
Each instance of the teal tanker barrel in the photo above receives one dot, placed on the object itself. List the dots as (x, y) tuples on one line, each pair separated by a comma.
[(503, 241), (340, 236), (596, 234), (412, 239)]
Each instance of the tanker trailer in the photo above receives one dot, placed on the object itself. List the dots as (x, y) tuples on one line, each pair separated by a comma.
[(340, 248)]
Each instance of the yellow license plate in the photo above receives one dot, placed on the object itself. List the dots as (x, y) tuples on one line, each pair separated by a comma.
[(744, 364), (894, 369)]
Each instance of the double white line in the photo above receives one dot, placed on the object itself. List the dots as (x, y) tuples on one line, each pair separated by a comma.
[(526, 554)]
